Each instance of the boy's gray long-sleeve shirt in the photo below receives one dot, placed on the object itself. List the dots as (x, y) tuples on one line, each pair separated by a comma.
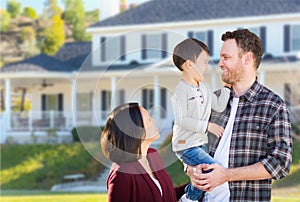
[(192, 107)]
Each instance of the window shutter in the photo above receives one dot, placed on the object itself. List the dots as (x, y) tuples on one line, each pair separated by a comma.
[(44, 102), (144, 50), (164, 43), (210, 42), (103, 100), (286, 40), (145, 98), (163, 102), (60, 102), (190, 34), (103, 49), (263, 38), (123, 48)]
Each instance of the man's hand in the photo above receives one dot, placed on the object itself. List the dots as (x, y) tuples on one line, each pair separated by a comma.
[(215, 129), (207, 181)]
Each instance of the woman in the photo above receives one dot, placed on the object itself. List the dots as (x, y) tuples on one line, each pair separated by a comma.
[(138, 173)]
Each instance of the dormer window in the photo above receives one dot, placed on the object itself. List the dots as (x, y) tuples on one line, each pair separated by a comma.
[(291, 38), (204, 36), (154, 46), (295, 35), (113, 49)]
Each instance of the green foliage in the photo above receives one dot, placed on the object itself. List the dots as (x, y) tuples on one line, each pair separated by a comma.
[(27, 34), (54, 36), (52, 9), (86, 133), (92, 16), (30, 12), (5, 20), (75, 16), (175, 170), (14, 8), (42, 166)]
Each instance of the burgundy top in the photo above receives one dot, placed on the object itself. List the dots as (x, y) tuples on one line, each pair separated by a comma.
[(129, 182)]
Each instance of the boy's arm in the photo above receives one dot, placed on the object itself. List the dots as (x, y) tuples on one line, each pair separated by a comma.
[(219, 103)]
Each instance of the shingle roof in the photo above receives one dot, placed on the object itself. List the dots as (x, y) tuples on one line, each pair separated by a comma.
[(163, 11), (38, 63), (74, 53)]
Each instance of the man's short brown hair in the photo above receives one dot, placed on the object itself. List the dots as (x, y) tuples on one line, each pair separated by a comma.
[(247, 42)]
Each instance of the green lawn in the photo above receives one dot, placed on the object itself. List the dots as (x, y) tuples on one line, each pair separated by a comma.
[(16, 196)]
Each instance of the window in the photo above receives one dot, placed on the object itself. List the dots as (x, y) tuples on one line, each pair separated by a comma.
[(148, 100), (204, 36), (154, 46), (51, 102), (295, 35), (84, 102), (113, 49), (105, 100)]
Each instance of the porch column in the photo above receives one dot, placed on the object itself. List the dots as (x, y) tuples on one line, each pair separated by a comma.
[(262, 77), (74, 102), (157, 107), (8, 103), (114, 92)]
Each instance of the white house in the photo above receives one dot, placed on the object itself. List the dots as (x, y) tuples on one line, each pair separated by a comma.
[(129, 60)]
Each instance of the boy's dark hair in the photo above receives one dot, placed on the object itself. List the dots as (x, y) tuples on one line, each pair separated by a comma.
[(247, 42), (123, 134), (188, 49)]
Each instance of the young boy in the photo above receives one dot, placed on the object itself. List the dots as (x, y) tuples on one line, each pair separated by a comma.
[(192, 103)]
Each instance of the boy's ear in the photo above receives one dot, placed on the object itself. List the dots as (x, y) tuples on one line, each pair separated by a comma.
[(187, 64)]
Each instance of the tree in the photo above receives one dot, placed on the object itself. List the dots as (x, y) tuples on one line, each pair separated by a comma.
[(5, 20), (29, 45), (54, 36), (14, 8), (52, 9), (30, 12), (75, 16)]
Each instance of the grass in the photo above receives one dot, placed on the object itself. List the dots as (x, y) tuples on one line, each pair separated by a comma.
[(20, 196), (37, 196), (41, 166)]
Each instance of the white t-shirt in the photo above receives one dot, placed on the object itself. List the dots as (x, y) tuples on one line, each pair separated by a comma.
[(222, 193)]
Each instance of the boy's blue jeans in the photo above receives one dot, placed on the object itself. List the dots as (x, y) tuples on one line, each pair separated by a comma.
[(194, 156)]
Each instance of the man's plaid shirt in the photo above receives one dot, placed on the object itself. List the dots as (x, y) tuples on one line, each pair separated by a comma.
[(261, 133)]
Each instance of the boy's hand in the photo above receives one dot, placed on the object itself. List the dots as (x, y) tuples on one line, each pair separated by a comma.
[(215, 129)]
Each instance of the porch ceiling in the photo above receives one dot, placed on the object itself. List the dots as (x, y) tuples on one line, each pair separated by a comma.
[(26, 80)]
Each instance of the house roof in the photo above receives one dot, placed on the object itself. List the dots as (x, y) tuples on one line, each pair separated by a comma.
[(38, 63), (165, 11), (74, 53)]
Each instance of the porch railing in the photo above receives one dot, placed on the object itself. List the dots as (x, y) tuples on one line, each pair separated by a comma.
[(41, 120)]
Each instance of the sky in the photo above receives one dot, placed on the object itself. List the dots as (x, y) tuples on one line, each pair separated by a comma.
[(38, 5)]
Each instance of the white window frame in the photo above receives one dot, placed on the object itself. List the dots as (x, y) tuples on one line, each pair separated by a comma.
[(295, 37)]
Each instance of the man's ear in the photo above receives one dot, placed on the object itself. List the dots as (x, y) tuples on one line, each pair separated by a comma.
[(248, 58)]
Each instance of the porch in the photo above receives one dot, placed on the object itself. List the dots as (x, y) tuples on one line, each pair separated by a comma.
[(29, 126)]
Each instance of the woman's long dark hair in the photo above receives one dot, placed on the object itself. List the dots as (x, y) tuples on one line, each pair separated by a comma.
[(123, 134)]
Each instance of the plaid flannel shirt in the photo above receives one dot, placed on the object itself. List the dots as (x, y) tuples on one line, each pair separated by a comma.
[(261, 133)]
